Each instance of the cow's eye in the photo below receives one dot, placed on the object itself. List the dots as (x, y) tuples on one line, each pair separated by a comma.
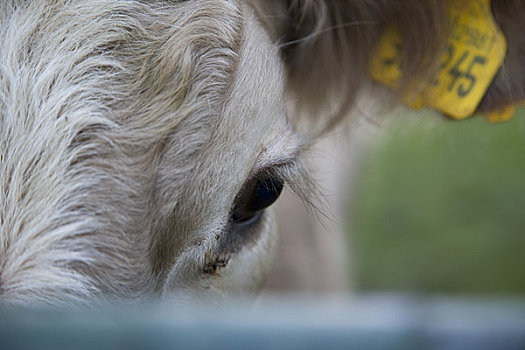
[(258, 194)]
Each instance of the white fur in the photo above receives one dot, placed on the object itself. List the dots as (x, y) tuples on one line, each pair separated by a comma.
[(127, 129)]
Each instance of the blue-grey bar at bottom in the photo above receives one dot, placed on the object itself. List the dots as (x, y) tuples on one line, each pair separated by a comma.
[(280, 322)]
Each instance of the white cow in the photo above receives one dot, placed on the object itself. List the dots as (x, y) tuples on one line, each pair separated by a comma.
[(142, 141)]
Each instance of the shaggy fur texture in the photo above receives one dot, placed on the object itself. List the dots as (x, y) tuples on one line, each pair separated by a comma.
[(127, 130), (129, 127)]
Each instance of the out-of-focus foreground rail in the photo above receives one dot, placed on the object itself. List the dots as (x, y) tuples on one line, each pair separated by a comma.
[(361, 322)]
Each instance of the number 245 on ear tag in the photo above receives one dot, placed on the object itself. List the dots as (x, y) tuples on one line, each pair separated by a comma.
[(475, 51)]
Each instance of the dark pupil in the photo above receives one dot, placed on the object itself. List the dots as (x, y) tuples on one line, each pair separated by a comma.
[(258, 197), (266, 192)]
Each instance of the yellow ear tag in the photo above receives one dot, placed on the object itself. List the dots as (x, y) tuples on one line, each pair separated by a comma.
[(385, 66), (501, 115), (475, 52)]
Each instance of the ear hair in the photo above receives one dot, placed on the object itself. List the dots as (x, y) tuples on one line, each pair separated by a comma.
[(508, 87), (326, 46)]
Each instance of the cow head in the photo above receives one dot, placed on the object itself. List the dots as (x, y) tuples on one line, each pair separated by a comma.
[(142, 143)]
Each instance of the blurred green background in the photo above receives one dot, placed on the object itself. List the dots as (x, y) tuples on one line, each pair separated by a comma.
[(439, 207)]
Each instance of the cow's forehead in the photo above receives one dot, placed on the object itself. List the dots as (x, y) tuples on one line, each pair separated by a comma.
[(250, 128), (120, 120)]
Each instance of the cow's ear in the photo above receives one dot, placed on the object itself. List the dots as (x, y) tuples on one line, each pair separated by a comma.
[(326, 45), (508, 87)]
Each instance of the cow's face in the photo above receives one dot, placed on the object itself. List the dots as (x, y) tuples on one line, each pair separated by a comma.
[(141, 146)]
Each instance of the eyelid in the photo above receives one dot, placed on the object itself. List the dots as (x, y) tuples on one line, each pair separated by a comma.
[(258, 173), (292, 171), (271, 167)]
